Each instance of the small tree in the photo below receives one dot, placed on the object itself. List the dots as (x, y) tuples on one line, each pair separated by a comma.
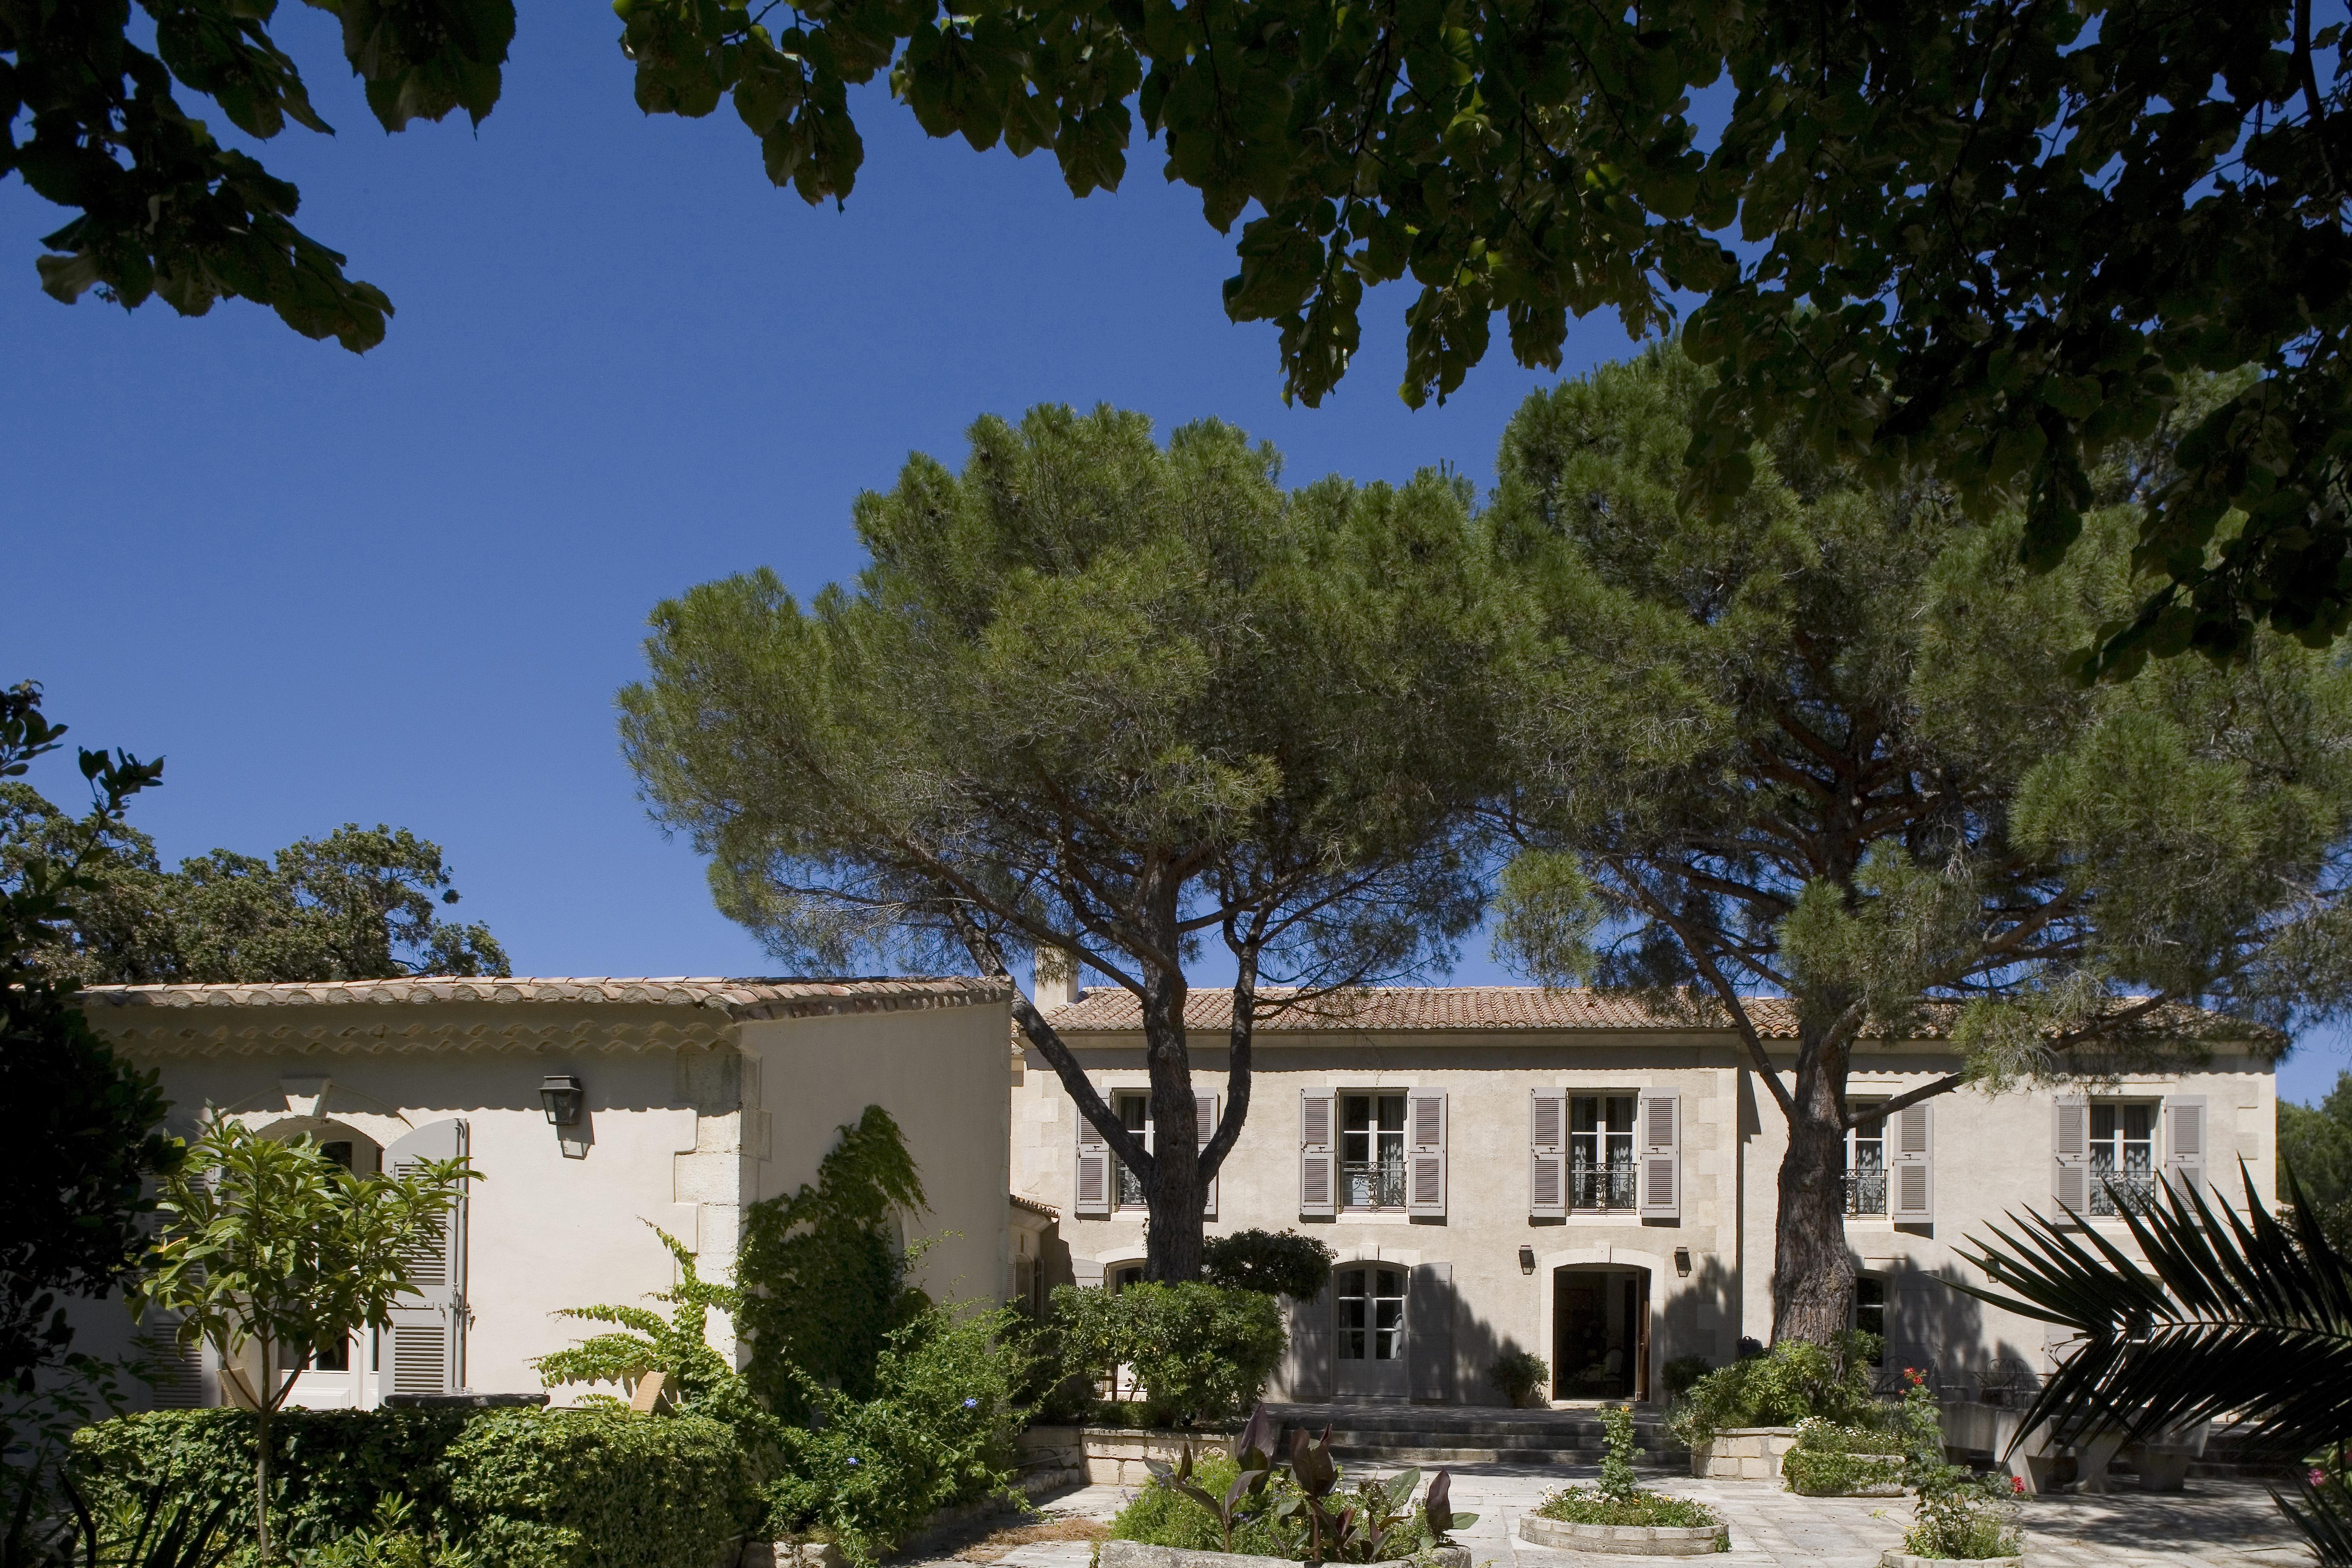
[(1102, 697), (272, 1245)]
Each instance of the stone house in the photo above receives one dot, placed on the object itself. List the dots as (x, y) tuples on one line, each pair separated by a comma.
[(1565, 1172), (592, 1108)]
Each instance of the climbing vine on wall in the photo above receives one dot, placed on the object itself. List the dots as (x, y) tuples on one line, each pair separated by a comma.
[(822, 1273)]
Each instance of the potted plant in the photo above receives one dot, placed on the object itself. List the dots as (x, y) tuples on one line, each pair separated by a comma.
[(1518, 1375)]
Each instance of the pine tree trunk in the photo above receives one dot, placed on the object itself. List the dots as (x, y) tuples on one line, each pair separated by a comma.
[(1812, 1271), (1172, 1240)]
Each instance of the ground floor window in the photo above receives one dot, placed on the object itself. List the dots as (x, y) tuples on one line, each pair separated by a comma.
[(1870, 1312), (2122, 1156), (1371, 1313)]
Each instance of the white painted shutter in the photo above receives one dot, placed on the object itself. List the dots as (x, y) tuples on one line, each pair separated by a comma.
[(2184, 1142), (184, 1377), (1660, 1167), (1204, 1125), (1547, 1153), (426, 1349), (1425, 1122), (1912, 1176), (1319, 1161), (2070, 1153), (1094, 1188)]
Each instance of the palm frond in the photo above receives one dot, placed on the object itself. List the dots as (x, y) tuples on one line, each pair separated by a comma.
[(2231, 1314), (2322, 1510)]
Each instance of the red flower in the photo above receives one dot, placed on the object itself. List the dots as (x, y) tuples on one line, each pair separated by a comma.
[(2017, 1485)]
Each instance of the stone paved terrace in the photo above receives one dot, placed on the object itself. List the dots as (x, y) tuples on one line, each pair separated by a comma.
[(2213, 1524)]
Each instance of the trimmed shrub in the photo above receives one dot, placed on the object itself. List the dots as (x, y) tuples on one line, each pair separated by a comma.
[(1518, 1373), (535, 1488), (1839, 1474), (1202, 1352), (1681, 1373), (1791, 1380), (1270, 1262), (597, 1489)]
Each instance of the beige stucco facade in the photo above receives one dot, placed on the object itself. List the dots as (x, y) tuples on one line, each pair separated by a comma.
[(701, 1096), (1606, 1295)]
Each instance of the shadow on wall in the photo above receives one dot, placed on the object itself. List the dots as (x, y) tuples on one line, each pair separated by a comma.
[(1941, 1331)]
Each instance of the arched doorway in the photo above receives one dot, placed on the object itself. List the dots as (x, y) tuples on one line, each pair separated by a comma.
[(1601, 1331)]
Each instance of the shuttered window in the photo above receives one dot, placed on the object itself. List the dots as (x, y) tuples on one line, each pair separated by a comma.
[(1318, 1162), (2070, 1154), (1547, 1153), (1912, 1172), (2185, 1132), (1092, 1199), (1426, 1158), (1205, 1123), (1659, 1176), (427, 1339)]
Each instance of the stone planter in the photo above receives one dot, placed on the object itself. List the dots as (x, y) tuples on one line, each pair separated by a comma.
[(792, 1554), (1136, 1555), (1894, 1558), (1114, 1456), (1623, 1539), (1743, 1454)]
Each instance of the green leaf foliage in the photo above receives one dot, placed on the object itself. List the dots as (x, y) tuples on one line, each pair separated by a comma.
[(358, 904), (536, 1489), (1795, 1380), (1104, 697), (2316, 1142), (1272, 1263), (935, 1432), (823, 1276), (89, 1138), (1830, 744), (1971, 239), (92, 118), (1202, 1353)]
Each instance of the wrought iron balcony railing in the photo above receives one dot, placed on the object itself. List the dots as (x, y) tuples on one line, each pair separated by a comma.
[(2114, 1192), (1593, 1187), (1865, 1191), (1378, 1186)]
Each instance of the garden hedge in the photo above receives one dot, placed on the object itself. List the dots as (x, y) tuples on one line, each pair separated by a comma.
[(530, 1489)]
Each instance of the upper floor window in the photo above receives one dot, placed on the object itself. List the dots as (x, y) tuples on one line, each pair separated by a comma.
[(1135, 1115), (1866, 1161), (1371, 1150), (2123, 1155), (1601, 1151)]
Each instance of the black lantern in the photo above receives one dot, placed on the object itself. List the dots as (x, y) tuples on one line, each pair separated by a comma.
[(1682, 1260), (562, 1096), (1527, 1260)]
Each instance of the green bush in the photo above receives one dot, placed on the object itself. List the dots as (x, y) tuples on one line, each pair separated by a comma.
[(597, 1489), (937, 1432), (1161, 1516), (1584, 1505), (1518, 1373), (1840, 1473), (1679, 1374), (1272, 1263), (1793, 1380), (1202, 1352), (533, 1488)]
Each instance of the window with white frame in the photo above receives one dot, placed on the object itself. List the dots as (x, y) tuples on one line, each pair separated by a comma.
[(1135, 1115), (1866, 1161), (1371, 1150), (1601, 1151), (1371, 1302), (2123, 1155), (1870, 1310)]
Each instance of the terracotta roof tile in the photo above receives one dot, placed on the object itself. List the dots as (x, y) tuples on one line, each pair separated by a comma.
[(738, 998)]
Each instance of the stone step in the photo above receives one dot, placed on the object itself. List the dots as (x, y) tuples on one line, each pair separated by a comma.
[(1450, 1454)]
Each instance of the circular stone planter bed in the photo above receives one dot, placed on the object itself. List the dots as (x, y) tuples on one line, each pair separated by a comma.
[(1137, 1554), (1894, 1558), (1623, 1539)]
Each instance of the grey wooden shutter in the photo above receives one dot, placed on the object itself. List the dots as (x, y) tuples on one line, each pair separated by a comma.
[(1911, 1199), (427, 1345), (1204, 1125), (1094, 1174), (1659, 1168), (1306, 1360), (1547, 1153), (1424, 1120), (184, 1374), (1429, 1333), (2070, 1153), (1319, 1161), (2184, 1142)]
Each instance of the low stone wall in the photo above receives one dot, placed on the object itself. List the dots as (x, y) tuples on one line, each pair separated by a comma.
[(1743, 1454), (1894, 1558), (1625, 1540), (1109, 1456), (1136, 1555), (792, 1554)]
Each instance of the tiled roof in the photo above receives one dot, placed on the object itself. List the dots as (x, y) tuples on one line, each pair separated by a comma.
[(1476, 1009), (1492, 1009), (1033, 1206), (738, 998)]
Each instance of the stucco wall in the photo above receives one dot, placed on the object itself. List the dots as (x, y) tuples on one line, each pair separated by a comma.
[(942, 1077)]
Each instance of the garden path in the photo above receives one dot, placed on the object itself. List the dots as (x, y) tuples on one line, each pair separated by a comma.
[(2213, 1524)]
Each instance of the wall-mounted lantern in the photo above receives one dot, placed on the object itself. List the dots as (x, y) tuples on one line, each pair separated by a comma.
[(1527, 1260), (1682, 1261), (562, 1095)]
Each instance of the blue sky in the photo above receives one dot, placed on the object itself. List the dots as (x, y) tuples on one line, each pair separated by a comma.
[(402, 587)]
